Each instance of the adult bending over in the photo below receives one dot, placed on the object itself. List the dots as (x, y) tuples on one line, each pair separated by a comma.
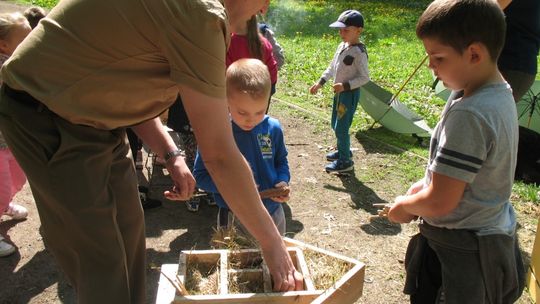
[(69, 91)]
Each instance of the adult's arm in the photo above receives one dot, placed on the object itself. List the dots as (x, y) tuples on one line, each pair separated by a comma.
[(202, 177), (230, 172), (504, 3), (153, 134)]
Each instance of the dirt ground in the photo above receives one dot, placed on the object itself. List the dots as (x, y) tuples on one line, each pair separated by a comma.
[(325, 210)]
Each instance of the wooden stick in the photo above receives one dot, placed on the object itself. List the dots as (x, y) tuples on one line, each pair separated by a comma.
[(178, 285), (182, 286), (275, 192), (399, 91)]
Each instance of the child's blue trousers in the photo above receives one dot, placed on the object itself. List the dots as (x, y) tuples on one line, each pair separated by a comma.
[(343, 110)]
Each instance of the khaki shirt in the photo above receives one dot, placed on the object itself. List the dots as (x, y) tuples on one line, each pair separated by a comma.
[(114, 63)]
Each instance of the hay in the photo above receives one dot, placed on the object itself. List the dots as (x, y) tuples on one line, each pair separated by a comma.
[(239, 283), (324, 270), (232, 239), (202, 279)]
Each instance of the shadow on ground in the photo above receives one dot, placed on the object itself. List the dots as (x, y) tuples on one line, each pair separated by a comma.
[(363, 197), (24, 284)]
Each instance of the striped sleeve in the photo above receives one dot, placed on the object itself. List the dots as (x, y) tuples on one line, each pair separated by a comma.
[(462, 146)]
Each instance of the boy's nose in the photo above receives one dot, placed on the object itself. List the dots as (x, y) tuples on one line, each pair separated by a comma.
[(431, 65)]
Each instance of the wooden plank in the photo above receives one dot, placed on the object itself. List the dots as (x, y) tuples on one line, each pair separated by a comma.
[(308, 282), (223, 276), (533, 284), (203, 256), (347, 289), (291, 297), (533, 276), (166, 292), (295, 243), (182, 267), (267, 279)]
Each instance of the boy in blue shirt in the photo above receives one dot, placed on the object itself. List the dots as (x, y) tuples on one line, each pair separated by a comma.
[(468, 227), (258, 136), (349, 68)]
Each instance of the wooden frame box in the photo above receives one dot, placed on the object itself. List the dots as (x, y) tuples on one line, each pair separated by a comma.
[(225, 266), (533, 276)]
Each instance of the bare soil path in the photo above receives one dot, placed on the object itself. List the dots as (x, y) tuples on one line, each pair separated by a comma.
[(325, 210)]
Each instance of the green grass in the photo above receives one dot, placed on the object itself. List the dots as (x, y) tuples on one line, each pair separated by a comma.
[(394, 52)]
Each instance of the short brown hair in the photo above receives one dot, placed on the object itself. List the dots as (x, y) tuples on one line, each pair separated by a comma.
[(8, 21), (250, 76), (459, 23), (34, 14)]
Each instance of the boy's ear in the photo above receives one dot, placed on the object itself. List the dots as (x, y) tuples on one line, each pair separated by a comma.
[(3, 47), (476, 52)]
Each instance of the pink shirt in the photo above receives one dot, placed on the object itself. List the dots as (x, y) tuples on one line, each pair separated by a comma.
[(239, 49)]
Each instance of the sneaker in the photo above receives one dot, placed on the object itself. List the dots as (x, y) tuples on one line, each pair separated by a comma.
[(6, 248), (17, 212), (193, 204), (340, 166), (332, 156), (148, 203)]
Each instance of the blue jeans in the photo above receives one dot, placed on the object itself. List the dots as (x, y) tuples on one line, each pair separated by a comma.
[(343, 109)]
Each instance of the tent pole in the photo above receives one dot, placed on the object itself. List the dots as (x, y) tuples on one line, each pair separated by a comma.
[(399, 91)]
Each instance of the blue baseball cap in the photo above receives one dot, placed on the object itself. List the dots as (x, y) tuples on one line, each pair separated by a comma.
[(349, 18)]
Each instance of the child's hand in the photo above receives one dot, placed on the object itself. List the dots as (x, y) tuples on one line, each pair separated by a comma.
[(314, 88), (338, 87), (416, 187), (397, 213), (281, 199)]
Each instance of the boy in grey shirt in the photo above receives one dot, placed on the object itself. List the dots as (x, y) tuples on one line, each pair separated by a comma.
[(468, 223)]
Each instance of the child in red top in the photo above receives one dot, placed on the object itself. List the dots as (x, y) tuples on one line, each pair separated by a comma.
[(247, 42), (13, 29)]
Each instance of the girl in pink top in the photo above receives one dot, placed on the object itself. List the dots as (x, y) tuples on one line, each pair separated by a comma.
[(13, 29), (249, 43)]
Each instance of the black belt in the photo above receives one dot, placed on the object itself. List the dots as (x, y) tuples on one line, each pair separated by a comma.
[(22, 96)]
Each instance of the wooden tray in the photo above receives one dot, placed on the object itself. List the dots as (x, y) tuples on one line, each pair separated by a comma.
[(248, 263)]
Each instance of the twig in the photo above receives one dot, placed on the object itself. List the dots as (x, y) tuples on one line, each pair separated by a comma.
[(381, 213), (177, 283)]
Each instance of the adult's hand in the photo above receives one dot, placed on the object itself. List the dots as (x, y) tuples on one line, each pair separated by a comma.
[(153, 134), (284, 275), (184, 183)]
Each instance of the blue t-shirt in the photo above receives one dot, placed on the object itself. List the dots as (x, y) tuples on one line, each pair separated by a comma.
[(476, 142), (264, 149)]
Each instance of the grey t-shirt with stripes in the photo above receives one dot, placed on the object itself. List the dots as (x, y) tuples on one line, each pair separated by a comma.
[(476, 141)]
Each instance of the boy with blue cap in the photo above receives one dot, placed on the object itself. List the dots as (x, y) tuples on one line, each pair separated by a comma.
[(349, 68)]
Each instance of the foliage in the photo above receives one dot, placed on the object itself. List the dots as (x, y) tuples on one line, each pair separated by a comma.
[(48, 4)]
